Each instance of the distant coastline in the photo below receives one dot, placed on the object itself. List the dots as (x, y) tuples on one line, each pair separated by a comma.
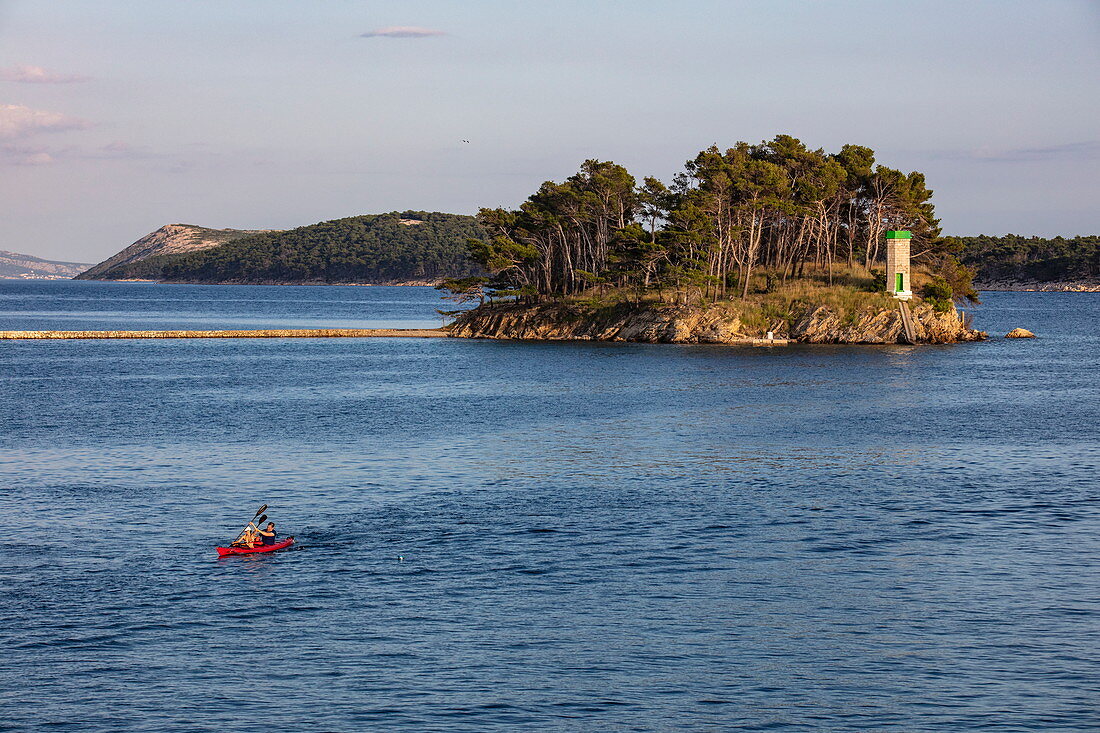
[(1032, 264), (16, 266), (400, 283), (1039, 286), (1029, 286), (1019, 286)]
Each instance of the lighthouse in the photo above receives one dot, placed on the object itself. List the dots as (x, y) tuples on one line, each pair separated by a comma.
[(897, 264)]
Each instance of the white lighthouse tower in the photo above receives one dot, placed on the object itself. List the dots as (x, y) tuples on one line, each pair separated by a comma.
[(897, 264)]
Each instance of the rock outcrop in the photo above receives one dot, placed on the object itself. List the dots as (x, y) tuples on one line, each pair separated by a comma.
[(168, 240), (822, 326), (702, 325), (1019, 333)]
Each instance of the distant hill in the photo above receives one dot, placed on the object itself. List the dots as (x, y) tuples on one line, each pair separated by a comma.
[(398, 247), (143, 259), (25, 267), (1033, 261)]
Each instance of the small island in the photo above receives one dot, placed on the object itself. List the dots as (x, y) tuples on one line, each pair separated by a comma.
[(763, 242)]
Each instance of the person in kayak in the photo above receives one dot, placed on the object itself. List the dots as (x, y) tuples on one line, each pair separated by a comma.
[(267, 535), (255, 536)]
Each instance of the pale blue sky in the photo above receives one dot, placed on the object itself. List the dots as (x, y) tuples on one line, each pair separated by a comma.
[(119, 116)]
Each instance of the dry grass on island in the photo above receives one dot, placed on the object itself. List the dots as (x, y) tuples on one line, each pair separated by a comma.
[(807, 309)]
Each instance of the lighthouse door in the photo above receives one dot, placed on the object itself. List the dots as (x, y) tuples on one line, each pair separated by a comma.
[(900, 287)]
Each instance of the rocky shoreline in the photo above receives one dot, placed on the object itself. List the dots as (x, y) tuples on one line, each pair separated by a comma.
[(715, 324)]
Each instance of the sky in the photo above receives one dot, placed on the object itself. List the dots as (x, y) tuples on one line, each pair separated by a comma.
[(120, 116)]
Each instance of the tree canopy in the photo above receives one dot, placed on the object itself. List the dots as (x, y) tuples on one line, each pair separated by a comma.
[(776, 206)]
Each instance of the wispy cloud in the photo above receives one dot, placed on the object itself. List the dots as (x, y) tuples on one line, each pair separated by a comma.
[(1084, 150), (25, 74), (122, 151), (402, 31), (25, 155), (18, 121), (14, 153)]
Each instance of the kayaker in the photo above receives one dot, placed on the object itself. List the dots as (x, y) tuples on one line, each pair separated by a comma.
[(253, 535), (267, 535)]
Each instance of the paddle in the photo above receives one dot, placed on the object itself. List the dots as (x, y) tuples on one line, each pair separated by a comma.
[(245, 530), (250, 521)]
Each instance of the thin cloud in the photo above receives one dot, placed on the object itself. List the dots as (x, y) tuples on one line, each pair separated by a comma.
[(402, 31), (123, 151), (1084, 150), (25, 74), (22, 154), (1087, 149), (25, 155), (18, 121)]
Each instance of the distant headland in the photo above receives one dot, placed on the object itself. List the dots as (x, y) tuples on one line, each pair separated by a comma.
[(146, 258), (408, 247)]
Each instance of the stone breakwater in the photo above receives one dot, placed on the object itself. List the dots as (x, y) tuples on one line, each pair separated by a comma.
[(704, 325), (277, 333), (650, 324)]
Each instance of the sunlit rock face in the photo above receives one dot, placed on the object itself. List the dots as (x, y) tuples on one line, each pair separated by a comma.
[(168, 240), (704, 325), (823, 326)]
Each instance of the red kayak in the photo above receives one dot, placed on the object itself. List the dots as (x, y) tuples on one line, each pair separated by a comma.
[(224, 551)]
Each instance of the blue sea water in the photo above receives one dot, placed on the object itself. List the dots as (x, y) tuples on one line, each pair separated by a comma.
[(500, 536)]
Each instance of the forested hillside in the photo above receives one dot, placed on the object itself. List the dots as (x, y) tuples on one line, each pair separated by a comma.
[(410, 246), (1017, 258)]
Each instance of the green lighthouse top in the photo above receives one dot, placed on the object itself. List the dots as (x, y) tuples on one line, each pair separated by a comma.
[(898, 234)]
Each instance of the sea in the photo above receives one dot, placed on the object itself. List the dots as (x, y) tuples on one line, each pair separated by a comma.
[(507, 536)]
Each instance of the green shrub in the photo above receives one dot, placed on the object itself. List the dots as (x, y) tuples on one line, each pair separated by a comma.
[(937, 293), (773, 313)]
